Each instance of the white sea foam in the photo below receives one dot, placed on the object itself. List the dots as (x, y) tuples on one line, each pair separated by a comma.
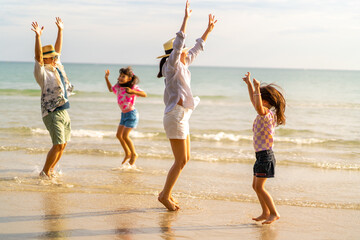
[(237, 137), (95, 134), (223, 136)]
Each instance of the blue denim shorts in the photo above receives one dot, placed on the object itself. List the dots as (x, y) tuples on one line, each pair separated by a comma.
[(130, 119), (264, 166)]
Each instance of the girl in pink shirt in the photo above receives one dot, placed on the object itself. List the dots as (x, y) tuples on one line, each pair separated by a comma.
[(265, 99), (126, 91)]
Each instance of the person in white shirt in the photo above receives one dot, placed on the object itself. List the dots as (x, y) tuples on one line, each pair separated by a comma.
[(55, 90), (179, 101)]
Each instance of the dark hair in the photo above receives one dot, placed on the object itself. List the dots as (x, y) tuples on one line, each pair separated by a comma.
[(129, 72), (162, 62), (275, 99)]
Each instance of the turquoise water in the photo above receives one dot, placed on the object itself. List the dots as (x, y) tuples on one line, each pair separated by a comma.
[(318, 145)]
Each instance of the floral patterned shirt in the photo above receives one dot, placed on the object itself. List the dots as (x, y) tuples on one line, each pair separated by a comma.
[(125, 100), (52, 89)]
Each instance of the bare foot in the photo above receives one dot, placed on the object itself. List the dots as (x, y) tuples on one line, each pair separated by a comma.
[(261, 217), (174, 200), (271, 219), (127, 157), (170, 205), (43, 175), (133, 158)]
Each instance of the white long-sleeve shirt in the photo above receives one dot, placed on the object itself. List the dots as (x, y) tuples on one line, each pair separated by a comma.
[(177, 75)]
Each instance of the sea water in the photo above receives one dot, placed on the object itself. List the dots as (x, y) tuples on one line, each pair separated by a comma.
[(317, 151)]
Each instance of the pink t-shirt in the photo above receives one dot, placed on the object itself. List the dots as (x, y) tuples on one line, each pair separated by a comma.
[(264, 129), (126, 101)]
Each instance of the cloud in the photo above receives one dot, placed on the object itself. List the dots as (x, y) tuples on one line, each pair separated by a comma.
[(258, 33)]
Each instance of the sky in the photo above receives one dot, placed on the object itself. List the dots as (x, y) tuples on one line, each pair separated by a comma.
[(305, 34)]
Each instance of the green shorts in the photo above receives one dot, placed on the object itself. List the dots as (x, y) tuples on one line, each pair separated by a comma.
[(59, 126)]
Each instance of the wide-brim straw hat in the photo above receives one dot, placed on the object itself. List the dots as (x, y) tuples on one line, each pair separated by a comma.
[(49, 51), (168, 47)]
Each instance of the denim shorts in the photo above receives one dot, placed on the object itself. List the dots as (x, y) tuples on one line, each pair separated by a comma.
[(130, 119), (264, 166)]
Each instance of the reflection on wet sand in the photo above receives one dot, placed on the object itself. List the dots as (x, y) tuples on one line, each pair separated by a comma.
[(165, 221), (54, 205)]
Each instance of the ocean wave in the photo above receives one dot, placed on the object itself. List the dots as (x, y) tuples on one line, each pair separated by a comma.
[(219, 136), (238, 157), (80, 133), (222, 136), (22, 92)]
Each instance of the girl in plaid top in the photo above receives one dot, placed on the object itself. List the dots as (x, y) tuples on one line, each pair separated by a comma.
[(265, 99)]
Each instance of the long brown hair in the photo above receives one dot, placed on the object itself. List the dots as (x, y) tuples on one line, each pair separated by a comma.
[(275, 98), (129, 72)]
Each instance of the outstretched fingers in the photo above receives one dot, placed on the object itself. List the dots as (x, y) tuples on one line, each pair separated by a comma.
[(247, 77), (212, 22), (59, 23), (188, 11), (36, 28)]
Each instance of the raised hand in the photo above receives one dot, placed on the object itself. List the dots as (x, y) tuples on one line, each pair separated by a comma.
[(59, 23), (37, 29), (247, 78), (129, 90), (107, 73), (212, 22), (188, 11), (256, 83)]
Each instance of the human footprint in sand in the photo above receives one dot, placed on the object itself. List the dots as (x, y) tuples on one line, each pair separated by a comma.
[(270, 105), (179, 101), (126, 90)]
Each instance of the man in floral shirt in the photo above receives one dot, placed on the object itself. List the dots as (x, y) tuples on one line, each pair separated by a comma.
[(55, 90)]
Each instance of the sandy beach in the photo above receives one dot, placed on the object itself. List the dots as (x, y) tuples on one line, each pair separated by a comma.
[(316, 187), (56, 215)]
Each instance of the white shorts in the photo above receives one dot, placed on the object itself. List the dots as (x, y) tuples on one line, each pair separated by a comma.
[(176, 122)]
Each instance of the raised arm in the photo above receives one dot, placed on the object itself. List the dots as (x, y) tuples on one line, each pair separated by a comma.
[(210, 27), (59, 40), (178, 43), (38, 48), (200, 42), (108, 84), (188, 12), (136, 92), (250, 87), (257, 98)]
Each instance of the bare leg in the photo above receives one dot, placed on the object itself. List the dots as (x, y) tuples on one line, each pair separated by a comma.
[(130, 144), (53, 157), (267, 199), (58, 158), (119, 135), (179, 148), (265, 210)]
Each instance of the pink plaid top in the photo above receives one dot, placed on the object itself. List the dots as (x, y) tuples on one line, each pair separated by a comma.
[(126, 101), (264, 129)]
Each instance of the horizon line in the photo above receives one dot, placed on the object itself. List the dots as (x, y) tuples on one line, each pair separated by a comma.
[(216, 66)]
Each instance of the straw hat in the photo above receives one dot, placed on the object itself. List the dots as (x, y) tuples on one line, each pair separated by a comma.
[(49, 51), (168, 47)]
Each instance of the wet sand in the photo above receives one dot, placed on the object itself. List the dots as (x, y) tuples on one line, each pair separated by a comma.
[(56, 215)]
